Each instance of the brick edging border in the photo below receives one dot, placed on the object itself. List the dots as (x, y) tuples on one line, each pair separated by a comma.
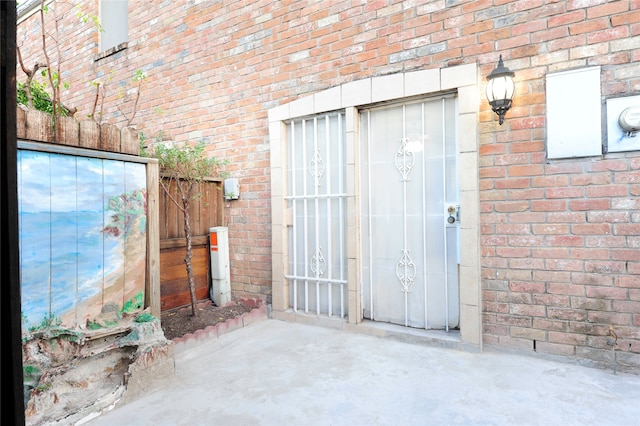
[(257, 313)]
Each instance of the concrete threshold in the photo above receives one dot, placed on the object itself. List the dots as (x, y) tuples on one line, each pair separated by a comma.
[(437, 338)]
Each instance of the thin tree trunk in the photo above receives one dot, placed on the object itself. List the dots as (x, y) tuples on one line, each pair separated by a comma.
[(189, 255)]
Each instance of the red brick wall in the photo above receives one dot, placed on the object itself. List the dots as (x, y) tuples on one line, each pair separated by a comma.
[(560, 260)]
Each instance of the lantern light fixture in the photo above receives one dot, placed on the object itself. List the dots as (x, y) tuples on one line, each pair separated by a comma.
[(500, 89)]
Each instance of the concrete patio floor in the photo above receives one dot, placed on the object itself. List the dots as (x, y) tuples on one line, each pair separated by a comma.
[(280, 373)]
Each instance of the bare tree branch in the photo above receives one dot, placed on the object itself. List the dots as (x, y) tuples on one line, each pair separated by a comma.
[(48, 61), (30, 74), (135, 107), (95, 102), (166, 187)]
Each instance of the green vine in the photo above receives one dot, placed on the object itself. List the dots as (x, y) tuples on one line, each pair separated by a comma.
[(41, 98)]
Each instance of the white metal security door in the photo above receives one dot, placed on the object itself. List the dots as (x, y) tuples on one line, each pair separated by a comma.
[(410, 214), (316, 197)]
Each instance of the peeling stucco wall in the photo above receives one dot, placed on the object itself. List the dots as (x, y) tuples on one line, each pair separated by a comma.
[(73, 375)]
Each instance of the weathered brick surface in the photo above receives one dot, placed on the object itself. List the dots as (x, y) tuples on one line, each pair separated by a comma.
[(565, 233)]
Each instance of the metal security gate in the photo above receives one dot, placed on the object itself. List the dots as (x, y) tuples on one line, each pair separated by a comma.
[(410, 214), (316, 197)]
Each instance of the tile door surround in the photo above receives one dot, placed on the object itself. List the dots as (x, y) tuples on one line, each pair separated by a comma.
[(464, 81)]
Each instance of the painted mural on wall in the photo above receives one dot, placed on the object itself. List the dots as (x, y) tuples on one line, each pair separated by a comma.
[(82, 240)]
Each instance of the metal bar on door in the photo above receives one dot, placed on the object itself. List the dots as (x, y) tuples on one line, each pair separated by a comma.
[(404, 207), (444, 194), (311, 197), (424, 215), (316, 210), (370, 230), (327, 141), (341, 146), (321, 280), (294, 207), (306, 215)]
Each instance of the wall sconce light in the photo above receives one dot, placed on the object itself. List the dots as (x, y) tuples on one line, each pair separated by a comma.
[(500, 89)]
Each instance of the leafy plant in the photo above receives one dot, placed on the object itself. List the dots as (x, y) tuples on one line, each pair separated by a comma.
[(40, 98)]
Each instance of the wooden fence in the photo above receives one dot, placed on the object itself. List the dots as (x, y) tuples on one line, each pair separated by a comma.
[(37, 126), (206, 212)]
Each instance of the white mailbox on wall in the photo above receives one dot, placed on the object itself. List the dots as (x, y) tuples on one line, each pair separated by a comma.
[(220, 291)]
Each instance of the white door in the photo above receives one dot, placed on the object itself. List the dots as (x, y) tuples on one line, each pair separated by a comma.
[(410, 228)]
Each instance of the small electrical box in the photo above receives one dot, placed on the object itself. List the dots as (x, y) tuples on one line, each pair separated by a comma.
[(629, 120), (231, 189), (623, 124), (220, 290)]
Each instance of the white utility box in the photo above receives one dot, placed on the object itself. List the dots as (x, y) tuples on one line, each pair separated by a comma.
[(220, 291), (231, 189)]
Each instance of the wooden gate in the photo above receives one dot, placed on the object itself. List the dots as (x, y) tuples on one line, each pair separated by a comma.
[(206, 212)]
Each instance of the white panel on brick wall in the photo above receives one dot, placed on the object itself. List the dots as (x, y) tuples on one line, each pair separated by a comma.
[(574, 111), (617, 139)]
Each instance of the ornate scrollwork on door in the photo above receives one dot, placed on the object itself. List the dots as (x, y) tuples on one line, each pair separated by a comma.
[(316, 167), (406, 271), (404, 160), (317, 263)]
